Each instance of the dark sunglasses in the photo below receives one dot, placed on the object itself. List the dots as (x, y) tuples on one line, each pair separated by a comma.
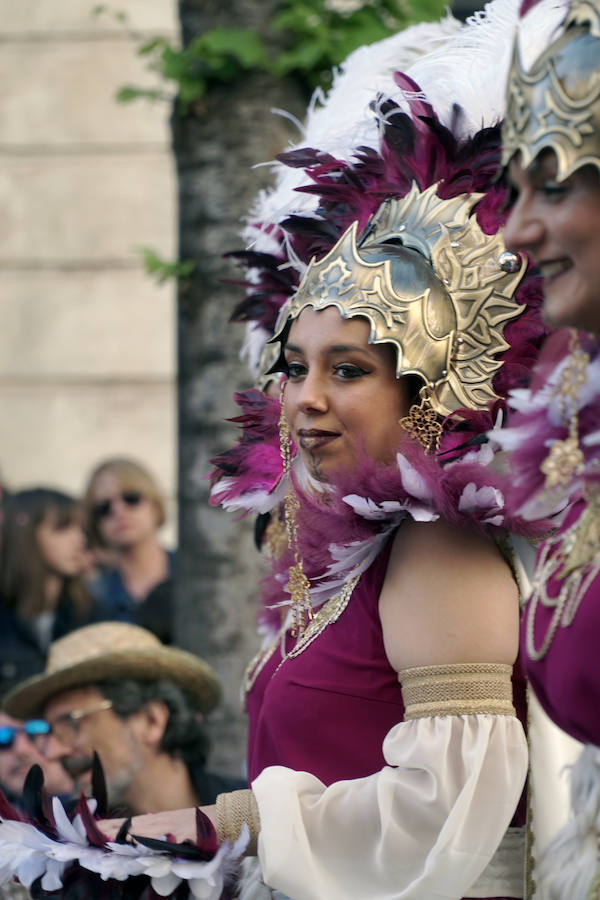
[(104, 509), (33, 728)]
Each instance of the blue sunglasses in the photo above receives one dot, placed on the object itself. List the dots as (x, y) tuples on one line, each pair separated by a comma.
[(33, 728)]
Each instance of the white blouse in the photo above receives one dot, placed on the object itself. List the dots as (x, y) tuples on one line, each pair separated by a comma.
[(423, 828)]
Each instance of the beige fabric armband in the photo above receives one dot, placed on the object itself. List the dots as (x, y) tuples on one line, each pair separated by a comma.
[(457, 689), (233, 809)]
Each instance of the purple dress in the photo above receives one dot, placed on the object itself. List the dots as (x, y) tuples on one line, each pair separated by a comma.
[(327, 710)]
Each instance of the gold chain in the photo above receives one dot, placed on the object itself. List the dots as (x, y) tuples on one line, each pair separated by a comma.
[(326, 615), (298, 584), (573, 556)]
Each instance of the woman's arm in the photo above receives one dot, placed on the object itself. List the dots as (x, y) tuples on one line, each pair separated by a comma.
[(448, 597)]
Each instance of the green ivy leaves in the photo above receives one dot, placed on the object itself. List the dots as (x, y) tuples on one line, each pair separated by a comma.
[(306, 39)]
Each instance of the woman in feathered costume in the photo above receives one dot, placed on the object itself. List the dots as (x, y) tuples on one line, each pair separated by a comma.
[(386, 758), (551, 139), (385, 755)]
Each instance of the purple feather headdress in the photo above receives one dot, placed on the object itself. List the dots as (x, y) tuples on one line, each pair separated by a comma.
[(466, 482)]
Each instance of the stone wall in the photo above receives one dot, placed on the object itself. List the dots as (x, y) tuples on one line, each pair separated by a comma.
[(87, 340)]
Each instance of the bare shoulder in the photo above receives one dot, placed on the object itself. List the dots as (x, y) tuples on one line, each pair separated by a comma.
[(448, 596)]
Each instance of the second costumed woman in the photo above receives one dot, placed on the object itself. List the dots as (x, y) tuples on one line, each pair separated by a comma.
[(552, 150)]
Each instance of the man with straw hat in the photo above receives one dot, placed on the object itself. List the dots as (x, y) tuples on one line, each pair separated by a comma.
[(115, 689)]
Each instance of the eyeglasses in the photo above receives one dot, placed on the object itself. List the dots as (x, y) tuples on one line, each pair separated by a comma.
[(35, 729), (66, 726), (104, 508)]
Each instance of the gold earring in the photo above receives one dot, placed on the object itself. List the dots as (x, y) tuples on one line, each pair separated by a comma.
[(422, 423), (285, 437), (565, 458), (298, 584)]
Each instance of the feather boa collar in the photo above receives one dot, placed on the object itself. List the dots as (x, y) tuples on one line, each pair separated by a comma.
[(363, 508), (538, 422), (60, 855)]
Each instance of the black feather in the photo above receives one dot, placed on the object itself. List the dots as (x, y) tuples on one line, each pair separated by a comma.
[(99, 787)]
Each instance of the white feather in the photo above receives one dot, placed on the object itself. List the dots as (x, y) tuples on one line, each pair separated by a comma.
[(538, 28), (570, 861)]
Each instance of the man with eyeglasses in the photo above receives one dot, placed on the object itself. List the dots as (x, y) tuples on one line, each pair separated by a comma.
[(115, 689)]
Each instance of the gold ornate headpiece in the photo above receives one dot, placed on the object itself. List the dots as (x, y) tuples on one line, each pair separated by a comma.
[(556, 104), (430, 282)]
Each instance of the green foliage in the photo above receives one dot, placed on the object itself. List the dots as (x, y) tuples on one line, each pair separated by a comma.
[(163, 270), (217, 55), (319, 34), (129, 92), (306, 39)]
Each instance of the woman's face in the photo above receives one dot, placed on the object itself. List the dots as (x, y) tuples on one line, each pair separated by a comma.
[(125, 517), (342, 395), (62, 547), (558, 225)]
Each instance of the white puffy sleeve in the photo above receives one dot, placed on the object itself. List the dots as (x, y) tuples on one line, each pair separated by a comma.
[(427, 824)]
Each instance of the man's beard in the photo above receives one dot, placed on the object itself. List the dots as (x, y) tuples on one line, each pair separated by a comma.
[(119, 783), (76, 766)]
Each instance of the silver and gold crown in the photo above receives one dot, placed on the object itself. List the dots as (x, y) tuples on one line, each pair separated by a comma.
[(430, 282), (556, 105)]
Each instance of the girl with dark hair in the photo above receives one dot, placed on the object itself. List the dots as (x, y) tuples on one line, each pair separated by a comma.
[(42, 591)]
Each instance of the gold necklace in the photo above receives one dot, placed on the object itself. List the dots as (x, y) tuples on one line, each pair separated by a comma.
[(326, 615), (572, 558)]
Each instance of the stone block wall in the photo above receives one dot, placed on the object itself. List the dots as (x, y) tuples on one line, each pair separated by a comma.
[(87, 340)]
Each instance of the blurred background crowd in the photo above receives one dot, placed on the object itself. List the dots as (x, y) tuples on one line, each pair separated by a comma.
[(67, 562)]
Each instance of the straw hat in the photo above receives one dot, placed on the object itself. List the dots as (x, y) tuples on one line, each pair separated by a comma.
[(112, 650)]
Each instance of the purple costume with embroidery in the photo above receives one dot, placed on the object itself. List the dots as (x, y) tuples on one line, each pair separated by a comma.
[(561, 622), (566, 678), (346, 675)]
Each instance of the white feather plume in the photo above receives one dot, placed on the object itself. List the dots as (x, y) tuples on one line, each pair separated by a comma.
[(571, 860), (538, 28)]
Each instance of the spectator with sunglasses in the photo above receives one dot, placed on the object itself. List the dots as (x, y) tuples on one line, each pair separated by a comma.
[(43, 595), (21, 745), (20, 748), (124, 511)]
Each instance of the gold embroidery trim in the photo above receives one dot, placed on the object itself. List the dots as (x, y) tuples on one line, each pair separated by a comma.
[(457, 689), (233, 809)]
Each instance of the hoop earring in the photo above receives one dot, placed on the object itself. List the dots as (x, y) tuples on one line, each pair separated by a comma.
[(298, 584), (422, 423)]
